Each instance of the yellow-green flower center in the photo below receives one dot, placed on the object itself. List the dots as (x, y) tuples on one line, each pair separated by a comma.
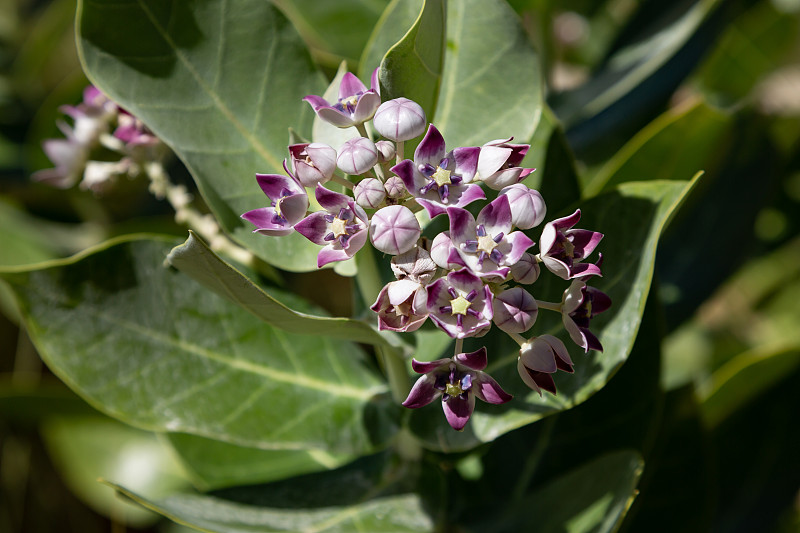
[(459, 305), (441, 176), (486, 244), (453, 389), (338, 227), (278, 207)]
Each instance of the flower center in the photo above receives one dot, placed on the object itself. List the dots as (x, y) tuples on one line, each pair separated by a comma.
[(453, 389), (441, 177), (459, 305), (339, 227), (486, 244)]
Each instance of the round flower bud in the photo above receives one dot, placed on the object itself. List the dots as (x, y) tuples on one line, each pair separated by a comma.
[(400, 119), (440, 250), (312, 163), (394, 229), (526, 270), (386, 151), (369, 193), (395, 188), (357, 156), (515, 310), (527, 205)]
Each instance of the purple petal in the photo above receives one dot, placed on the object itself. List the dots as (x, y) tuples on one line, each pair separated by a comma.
[(584, 241), (405, 169), (469, 194), (519, 245), (423, 367), (374, 83), (330, 200), (316, 102), (476, 360), (263, 218), (431, 149), (567, 222), (329, 254), (600, 300), (422, 393), (350, 86), (462, 225), (466, 162), (356, 242), (274, 184), (583, 270), (314, 228), (526, 376), (333, 116), (488, 390), (496, 216), (458, 411)]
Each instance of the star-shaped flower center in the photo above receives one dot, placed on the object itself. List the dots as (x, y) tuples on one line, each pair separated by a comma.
[(486, 243), (453, 389), (339, 227), (441, 176), (460, 305)]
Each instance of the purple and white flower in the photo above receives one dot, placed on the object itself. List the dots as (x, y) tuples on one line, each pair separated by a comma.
[(498, 164), (539, 358), (341, 229), (579, 305), (288, 205), (563, 248), (460, 304), (439, 179), (356, 103), (401, 306), (458, 381), (369, 193), (487, 246), (312, 163)]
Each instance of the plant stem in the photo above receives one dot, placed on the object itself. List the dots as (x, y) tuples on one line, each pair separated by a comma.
[(362, 130), (399, 148), (549, 305), (342, 181)]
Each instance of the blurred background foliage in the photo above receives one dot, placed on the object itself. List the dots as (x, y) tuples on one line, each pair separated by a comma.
[(636, 89)]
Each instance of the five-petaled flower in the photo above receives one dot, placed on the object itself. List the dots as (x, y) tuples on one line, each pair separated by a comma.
[(288, 204), (356, 103), (579, 305), (458, 381), (439, 179), (563, 248), (539, 358)]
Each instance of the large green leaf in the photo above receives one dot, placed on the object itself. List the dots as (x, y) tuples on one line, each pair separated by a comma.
[(196, 260), (592, 498), (393, 24), (321, 25), (674, 147), (412, 68), (91, 447), (632, 218), (220, 82), (363, 496), (145, 344), (215, 464), (492, 85)]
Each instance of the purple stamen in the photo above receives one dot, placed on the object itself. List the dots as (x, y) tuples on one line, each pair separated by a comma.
[(460, 320), (471, 296), (452, 292), (343, 213), (496, 256), (481, 258), (329, 218), (329, 237), (470, 246), (480, 230), (444, 162), (444, 192), (446, 309), (498, 237), (473, 312), (466, 382)]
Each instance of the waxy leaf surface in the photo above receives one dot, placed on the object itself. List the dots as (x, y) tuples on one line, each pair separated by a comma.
[(147, 345), (221, 83), (196, 260)]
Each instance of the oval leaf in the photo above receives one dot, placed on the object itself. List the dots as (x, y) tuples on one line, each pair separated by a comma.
[(147, 345), (220, 82)]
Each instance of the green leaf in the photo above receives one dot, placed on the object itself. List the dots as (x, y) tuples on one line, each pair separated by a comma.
[(412, 68), (215, 464), (196, 260), (345, 500), (220, 82), (492, 85), (592, 498), (674, 146), (393, 24), (632, 218), (753, 45), (745, 377), (84, 449), (556, 176), (321, 25), (147, 345)]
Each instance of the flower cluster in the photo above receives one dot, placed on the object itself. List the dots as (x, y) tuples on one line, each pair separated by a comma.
[(466, 279), (104, 143)]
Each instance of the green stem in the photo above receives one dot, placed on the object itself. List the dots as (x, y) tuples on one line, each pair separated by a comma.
[(342, 181), (399, 148), (552, 306), (362, 130), (370, 285)]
